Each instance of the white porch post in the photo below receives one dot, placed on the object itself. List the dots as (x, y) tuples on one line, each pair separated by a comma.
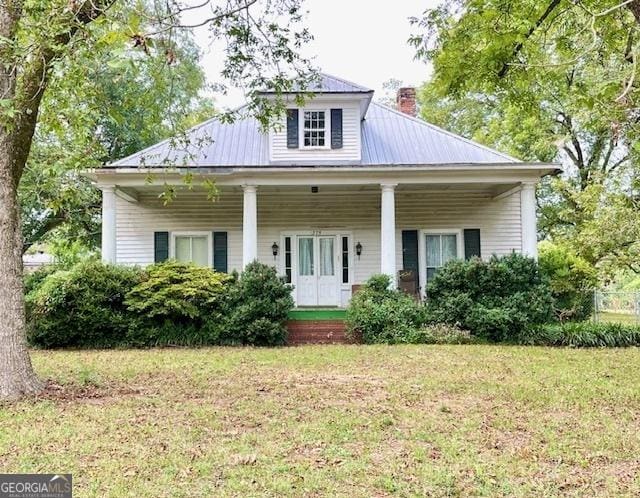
[(109, 224), (528, 220), (249, 225), (388, 231)]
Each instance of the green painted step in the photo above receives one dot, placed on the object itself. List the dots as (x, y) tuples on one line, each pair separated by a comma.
[(317, 314)]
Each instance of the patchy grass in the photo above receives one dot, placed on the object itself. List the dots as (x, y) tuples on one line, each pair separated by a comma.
[(609, 316), (333, 421)]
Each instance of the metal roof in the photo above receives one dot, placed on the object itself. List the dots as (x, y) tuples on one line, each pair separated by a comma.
[(389, 137), (327, 83)]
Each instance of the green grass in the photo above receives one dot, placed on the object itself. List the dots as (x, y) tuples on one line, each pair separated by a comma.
[(607, 316), (333, 421)]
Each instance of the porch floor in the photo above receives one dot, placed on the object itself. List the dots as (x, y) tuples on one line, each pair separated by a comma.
[(317, 314)]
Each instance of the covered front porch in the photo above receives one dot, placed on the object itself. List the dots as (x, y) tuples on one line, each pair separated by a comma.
[(324, 237)]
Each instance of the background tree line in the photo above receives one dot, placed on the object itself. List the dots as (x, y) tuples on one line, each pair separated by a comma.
[(548, 81)]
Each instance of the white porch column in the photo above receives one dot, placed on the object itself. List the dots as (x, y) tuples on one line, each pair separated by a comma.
[(528, 219), (388, 231), (249, 225), (109, 224)]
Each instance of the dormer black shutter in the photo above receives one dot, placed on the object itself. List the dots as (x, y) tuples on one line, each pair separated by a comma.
[(292, 129), (336, 128)]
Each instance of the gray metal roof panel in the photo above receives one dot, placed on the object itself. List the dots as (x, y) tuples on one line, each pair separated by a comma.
[(327, 83), (388, 138)]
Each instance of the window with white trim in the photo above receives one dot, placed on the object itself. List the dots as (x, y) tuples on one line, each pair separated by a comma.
[(192, 248), (314, 129), (440, 249)]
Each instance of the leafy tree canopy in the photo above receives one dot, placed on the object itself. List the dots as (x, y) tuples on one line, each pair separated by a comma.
[(548, 81)]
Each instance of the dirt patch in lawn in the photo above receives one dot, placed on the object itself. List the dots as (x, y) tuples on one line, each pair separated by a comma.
[(90, 393)]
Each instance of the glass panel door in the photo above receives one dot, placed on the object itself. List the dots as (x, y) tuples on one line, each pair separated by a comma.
[(305, 256), (326, 257)]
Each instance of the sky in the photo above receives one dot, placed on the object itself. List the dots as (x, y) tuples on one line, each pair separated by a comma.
[(364, 41)]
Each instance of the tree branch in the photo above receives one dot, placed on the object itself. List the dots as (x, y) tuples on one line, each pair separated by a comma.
[(516, 50)]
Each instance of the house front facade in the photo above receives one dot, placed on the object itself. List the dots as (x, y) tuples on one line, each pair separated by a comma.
[(344, 189)]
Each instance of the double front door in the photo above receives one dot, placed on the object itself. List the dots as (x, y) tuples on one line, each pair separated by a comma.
[(317, 279)]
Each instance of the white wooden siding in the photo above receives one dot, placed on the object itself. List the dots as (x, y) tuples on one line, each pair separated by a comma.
[(350, 150), (357, 212)]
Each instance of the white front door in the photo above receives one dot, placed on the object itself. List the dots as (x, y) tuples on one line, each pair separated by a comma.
[(317, 282)]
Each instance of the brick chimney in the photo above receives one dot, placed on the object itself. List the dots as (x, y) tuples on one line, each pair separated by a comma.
[(406, 100)]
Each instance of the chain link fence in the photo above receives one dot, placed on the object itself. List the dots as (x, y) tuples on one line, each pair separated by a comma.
[(623, 307)]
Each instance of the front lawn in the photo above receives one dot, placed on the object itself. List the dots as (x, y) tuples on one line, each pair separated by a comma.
[(333, 421)]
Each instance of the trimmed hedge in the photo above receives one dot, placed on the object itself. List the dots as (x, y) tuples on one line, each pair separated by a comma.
[(495, 300), (583, 335), (81, 307), (93, 305)]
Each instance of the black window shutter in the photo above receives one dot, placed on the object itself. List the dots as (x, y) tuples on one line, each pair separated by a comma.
[(471, 243), (160, 246), (336, 128), (220, 251), (410, 250), (292, 128)]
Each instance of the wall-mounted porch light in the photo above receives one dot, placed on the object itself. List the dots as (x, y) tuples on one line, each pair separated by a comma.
[(274, 249), (358, 249)]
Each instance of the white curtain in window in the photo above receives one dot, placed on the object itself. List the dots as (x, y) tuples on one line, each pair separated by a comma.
[(199, 251), (183, 249), (433, 251), (305, 256), (449, 248), (326, 257)]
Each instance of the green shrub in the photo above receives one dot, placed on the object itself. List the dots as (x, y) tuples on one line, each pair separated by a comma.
[(378, 314), (495, 300), (81, 307), (583, 335), (572, 280), (441, 333), (177, 292), (257, 304), (178, 304), (36, 278)]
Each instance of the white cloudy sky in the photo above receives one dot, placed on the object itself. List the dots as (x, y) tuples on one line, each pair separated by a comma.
[(364, 41)]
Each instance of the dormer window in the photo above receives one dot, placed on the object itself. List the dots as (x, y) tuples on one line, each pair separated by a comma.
[(314, 129)]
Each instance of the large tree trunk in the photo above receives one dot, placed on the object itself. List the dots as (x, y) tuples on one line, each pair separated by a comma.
[(17, 377)]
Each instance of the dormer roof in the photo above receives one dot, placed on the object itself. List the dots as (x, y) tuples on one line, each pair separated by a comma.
[(328, 84)]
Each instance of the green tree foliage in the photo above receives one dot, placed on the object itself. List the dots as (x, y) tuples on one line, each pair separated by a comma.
[(572, 280), (105, 102), (547, 81)]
